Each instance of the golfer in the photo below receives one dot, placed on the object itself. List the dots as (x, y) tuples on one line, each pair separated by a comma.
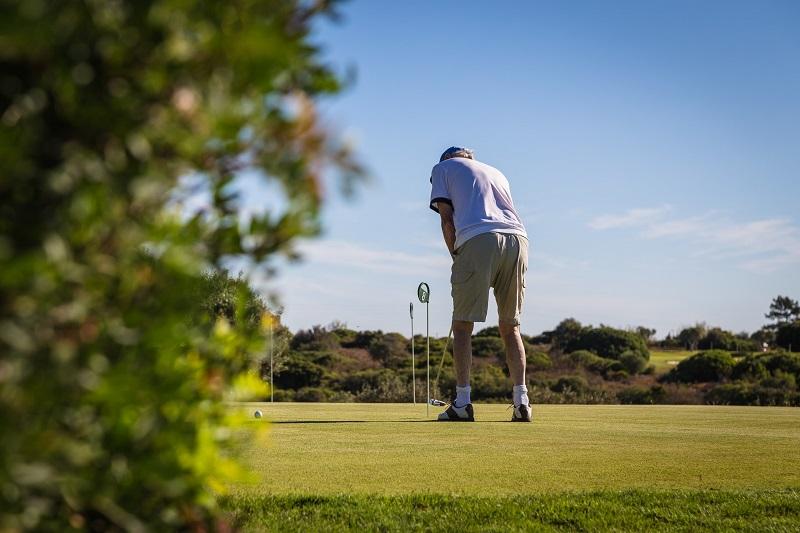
[(489, 247)]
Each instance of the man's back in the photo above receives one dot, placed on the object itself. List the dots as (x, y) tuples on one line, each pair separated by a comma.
[(480, 196)]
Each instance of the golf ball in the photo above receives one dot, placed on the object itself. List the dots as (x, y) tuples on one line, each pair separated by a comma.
[(257, 414)]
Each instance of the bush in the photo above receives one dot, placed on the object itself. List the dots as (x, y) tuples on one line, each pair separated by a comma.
[(576, 384), (633, 362), (322, 394), (298, 373), (489, 347), (594, 363), (490, 382), (759, 366), (713, 365), (608, 342), (565, 333), (389, 388), (536, 360), (741, 393), (390, 350), (112, 408), (642, 395), (283, 395), (315, 339), (492, 331)]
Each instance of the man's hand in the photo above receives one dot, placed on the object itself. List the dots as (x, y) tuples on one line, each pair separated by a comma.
[(448, 226)]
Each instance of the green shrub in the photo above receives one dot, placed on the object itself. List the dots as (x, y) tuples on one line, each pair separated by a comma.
[(537, 360), (490, 382), (113, 380), (489, 347), (298, 373), (492, 331), (390, 350), (608, 342), (283, 395), (564, 334), (642, 395), (576, 384), (742, 393), (759, 366), (594, 363), (633, 362), (317, 338), (322, 394), (389, 388), (713, 365)]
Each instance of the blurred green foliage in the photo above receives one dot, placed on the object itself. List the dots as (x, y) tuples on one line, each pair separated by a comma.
[(112, 377)]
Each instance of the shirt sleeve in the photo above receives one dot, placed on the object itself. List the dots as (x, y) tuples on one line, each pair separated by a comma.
[(439, 191)]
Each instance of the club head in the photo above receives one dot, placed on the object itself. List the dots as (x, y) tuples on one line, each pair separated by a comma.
[(438, 403)]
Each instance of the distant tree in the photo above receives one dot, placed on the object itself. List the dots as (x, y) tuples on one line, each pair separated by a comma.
[(645, 333), (788, 336), (764, 335), (318, 338), (608, 342), (565, 332), (783, 310), (690, 337), (717, 338)]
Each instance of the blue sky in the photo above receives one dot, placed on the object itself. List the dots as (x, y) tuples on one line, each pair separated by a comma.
[(653, 150)]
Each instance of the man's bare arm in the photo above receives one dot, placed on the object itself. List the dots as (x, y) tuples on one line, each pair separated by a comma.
[(448, 225)]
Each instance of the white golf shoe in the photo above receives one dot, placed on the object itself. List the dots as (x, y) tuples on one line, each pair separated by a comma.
[(457, 414)]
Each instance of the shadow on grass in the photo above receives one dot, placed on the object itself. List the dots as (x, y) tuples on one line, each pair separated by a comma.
[(381, 422)]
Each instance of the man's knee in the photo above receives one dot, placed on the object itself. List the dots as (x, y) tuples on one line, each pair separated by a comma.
[(462, 327), (508, 329)]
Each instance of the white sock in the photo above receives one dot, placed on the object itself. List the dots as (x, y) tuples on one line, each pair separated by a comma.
[(521, 395), (462, 396)]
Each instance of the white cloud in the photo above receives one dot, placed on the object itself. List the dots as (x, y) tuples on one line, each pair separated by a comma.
[(762, 245), (357, 256), (631, 218)]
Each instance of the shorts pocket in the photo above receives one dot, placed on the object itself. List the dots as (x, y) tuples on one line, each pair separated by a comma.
[(460, 276)]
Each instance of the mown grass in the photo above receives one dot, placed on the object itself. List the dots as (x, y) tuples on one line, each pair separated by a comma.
[(386, 467), (637, 510), (665, 360), (392, 449)]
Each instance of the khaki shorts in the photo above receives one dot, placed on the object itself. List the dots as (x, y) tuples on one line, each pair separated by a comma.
[(498, 260)]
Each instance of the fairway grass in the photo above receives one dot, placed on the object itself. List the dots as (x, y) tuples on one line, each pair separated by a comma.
[(594, 511), (392, 449), (388, 467), (666, 360)]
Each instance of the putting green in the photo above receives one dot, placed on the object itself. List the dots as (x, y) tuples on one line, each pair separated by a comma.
[(392, 449)]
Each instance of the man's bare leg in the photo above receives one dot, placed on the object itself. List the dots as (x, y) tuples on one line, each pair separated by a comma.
[(515, 352), (462, 355), (462, 350)]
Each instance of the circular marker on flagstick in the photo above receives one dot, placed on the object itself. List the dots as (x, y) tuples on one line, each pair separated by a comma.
[(423, 292)]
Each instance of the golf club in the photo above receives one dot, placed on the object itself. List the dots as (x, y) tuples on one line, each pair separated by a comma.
[(439, 371)]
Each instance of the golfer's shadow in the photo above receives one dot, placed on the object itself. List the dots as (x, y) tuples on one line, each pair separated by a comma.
[(350, 421), (288, 422)]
